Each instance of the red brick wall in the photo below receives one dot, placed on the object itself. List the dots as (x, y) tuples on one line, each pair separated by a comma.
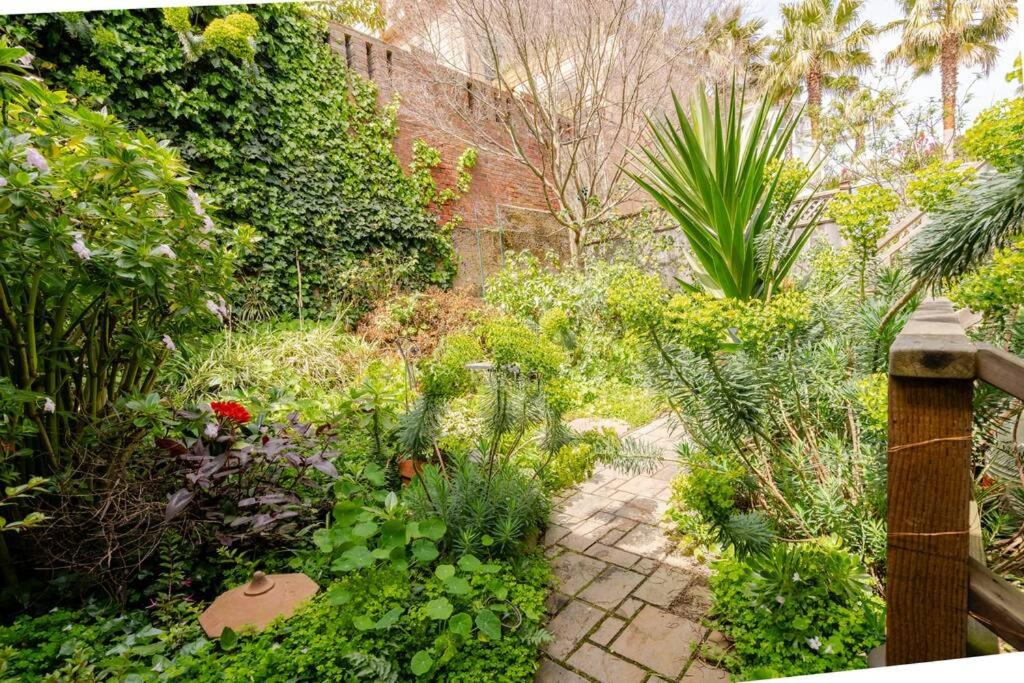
[(498, 179)]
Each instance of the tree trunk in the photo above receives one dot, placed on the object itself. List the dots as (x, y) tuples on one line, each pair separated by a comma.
[(948, 67), (814, 100)]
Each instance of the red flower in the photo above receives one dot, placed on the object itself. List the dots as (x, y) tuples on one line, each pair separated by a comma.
[(231, 411), (987, 481)]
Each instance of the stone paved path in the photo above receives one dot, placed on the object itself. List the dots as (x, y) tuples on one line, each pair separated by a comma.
[(625, 608)]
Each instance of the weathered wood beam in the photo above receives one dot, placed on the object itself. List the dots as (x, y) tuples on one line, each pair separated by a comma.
[(932, 366)]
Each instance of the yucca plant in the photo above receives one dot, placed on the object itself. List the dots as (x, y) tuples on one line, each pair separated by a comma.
[(710, 168)]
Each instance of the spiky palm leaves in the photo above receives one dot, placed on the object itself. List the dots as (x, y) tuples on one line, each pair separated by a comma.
[(708, 167)]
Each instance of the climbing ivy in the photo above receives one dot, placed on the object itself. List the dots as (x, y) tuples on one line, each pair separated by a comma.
[(281, 134)]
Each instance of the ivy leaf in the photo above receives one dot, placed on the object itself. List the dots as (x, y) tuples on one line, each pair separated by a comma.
[(421, 663), (228, 639), (461, 624), (444, 571), (433, 528), (336, 595), (389, 619), (352, 559), (457, 585), (470, 564), (498, 589), (439, 608), (425, 551), (364, 623), (489, 624)]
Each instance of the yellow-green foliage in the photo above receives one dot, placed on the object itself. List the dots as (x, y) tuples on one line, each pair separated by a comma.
[(556, 325), (997, 135), (445, 375), (560, 394), (996, 288), (936, 183), (510, 342), (863, 216), (793, 174), (873, 397), (233, 34), (570, 465), (763, 323), (701, 322), (637, 299), (177, 19)]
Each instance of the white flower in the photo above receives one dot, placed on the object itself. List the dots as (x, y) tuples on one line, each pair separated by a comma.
[(218, 309), (49, 406), (796, 576), (203, 244), (779, 599), (169, 343), (814, 643), (3, 181), (163, 250), (26, 59), (197, 202), (207, 225), (211, 430), (36, 160), (78, 246), (827, 650)]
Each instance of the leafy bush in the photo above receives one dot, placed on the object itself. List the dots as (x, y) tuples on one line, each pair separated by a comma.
[(997, 287), (284, 137), (863, 218), (937, 183), (108, 260), (801, 608), (487, 510), (997, 135)]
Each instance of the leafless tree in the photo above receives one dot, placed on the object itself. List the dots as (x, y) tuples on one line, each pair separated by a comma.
[(562, 86)]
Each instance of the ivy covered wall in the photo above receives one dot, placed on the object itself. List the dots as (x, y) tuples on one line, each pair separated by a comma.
[(282, 136)]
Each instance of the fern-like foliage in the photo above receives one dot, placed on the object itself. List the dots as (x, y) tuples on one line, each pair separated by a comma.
[(367, 667)]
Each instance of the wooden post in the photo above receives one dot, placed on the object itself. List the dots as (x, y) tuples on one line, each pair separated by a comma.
[(932, 366)]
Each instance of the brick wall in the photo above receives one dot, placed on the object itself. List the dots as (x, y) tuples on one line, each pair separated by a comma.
[(505, 207)]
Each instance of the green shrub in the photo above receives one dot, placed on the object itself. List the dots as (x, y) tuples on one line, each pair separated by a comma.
[(997, 135), (937, 183), (572, 464), (801, 608), (996, 288), (284, 137), (863, 218), (445, 375), (511, 343)]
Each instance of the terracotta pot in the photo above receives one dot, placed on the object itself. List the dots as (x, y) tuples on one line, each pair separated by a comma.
[(407, 469)]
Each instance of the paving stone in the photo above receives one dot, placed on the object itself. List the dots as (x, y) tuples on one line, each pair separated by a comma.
[(663, 586), (608, 629), (646, 565), (641, 509), (577, 542), (645, 540), (703, 673), (570, 626), (667, 473), (612, 536), (555, 601), (552, 551), (604, 666), (622, 496), (553, 533), (607, 553), (659, 640), (628, 608), (643, 486), (551, 672), (609, 589), (583, 506), (695, 601), (564, 519), (574, 571), (587, 424), (686, 563)]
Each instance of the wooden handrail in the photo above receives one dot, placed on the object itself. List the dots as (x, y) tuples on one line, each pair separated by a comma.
[(1001, 369), (937, 578), (996, 603)]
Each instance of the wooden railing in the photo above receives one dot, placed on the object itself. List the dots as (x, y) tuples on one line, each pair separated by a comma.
[(939, 593)]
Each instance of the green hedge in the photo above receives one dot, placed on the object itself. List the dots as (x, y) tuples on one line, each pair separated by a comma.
[(289, 141)]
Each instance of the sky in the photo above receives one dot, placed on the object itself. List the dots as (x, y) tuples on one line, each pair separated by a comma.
[(982, 93)]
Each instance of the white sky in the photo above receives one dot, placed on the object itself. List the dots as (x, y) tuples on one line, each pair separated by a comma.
[(982, 93)]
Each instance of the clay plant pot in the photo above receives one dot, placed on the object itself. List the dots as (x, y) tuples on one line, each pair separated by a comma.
[(407, 469)]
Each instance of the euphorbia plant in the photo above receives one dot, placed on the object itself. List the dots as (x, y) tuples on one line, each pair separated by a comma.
[(107, 260)]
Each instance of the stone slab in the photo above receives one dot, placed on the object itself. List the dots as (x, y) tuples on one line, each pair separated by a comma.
[(570, 627), (574, 571), (660, 640), (604, 666), (611, 588)]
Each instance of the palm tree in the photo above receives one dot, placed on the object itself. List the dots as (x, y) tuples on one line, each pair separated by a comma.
[(821, 47), (948, 34), (733, 44)]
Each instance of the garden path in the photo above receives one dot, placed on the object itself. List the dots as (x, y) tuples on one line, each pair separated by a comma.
[(626, 606)]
